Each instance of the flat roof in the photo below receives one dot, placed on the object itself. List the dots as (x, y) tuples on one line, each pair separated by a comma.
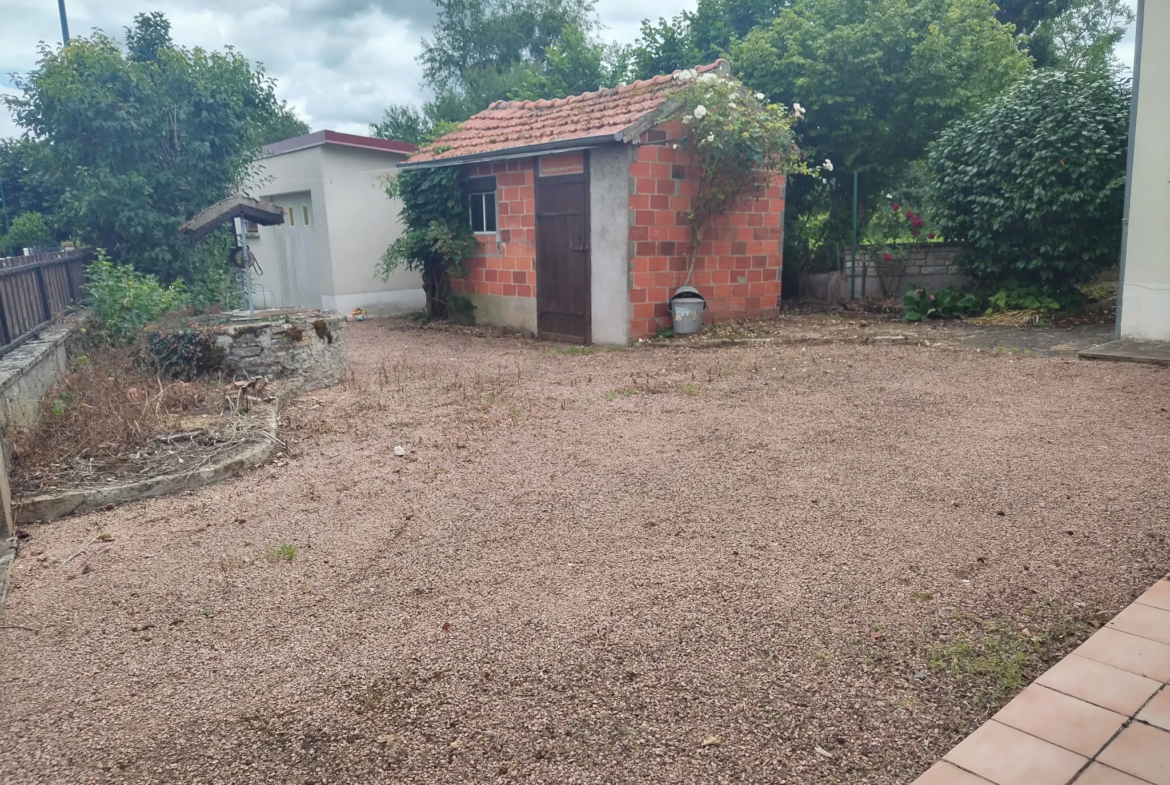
[(336, 137)]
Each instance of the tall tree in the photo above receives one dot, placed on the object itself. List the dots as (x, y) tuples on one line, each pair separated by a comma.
[(24, 177), (702, 35), (575, 64), (141, 140), (1027, 15), (404, 123), (879, 80), (484, 50), (1085, 35)]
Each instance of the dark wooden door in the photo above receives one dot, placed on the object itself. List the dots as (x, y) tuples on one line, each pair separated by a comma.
[(562, 258)]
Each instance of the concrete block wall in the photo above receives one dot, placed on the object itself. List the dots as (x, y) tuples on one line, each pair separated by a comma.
[(739, 261), (929, 265)]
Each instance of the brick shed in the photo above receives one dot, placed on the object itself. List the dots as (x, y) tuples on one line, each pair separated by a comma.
[(580, 205)]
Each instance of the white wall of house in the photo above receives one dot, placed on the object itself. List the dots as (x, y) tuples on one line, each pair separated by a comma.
[(352, 221), (363, 221), (1145, 276)]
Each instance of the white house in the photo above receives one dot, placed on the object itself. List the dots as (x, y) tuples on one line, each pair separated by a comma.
[(338, 221), (1143, 308)]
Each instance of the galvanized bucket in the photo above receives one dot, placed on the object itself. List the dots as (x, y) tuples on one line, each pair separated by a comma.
[(686, 309)]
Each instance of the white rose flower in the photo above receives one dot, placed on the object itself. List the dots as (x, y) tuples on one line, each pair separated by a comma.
[(798, 110), (827, 165), (700, 112), (710, 137), (708, 78)]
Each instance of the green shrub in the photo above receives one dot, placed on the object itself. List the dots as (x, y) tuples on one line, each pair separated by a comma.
[(1033, 182), (28, 230), (919, 304), (185, 353), (1014, 296), (125, 300), (214, 282)]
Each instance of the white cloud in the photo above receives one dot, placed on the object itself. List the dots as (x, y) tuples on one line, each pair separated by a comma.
[(339, 62)]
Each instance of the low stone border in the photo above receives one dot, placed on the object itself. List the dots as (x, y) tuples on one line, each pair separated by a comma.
[(7, 557), (58, 505), (786, 340)]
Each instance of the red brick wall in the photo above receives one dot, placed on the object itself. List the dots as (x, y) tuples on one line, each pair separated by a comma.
[(738, 267), (506, 266)]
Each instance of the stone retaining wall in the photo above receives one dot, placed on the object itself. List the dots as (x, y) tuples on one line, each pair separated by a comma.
[(928, 265), (278, 345), (27, 373)]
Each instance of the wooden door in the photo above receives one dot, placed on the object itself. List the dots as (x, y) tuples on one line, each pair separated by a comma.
[(562, 257)]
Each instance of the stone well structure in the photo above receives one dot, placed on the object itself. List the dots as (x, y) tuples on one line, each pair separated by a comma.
[(282, 344)]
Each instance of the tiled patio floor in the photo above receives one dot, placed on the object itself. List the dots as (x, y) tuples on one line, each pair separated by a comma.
[(1100, 716)]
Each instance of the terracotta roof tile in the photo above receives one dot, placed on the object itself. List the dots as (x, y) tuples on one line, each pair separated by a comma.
[(511, 124)]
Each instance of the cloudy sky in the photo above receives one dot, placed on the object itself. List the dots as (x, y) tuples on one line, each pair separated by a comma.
[(339, 62)]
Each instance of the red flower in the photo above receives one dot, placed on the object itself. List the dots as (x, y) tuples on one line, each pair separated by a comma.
[(930, 236), (897, 207), (917, 222), (914, 232), (909, 214), (886, 257)]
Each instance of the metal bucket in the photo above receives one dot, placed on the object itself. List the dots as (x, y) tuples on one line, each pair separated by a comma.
[(687, 314)]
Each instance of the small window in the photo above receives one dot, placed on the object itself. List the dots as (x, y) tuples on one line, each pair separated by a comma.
[(252, 228), (483, 212), (292, 216), (305, 214)]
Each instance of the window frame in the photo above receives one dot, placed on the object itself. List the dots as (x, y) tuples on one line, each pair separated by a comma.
[(483, 196), (482, 188)]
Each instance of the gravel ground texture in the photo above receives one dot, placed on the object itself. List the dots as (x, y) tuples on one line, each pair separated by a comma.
[(751, 564)]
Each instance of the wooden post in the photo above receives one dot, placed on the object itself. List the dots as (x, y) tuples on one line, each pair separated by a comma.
[(44, 290)]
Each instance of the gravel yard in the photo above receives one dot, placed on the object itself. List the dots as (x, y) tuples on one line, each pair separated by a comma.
[(748, 564)]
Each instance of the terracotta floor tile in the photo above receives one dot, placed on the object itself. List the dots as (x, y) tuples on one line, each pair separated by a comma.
[(1101, 684), (1143, 620), (943, 773), (1097, 774), (1157, 711), (1157, 595), (1064, 721), (1128, 652), (1142, 751), (1007, 756)]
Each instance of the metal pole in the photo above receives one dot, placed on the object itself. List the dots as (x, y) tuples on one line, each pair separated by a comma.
[(64, 22), (247, 266), (853, 268)]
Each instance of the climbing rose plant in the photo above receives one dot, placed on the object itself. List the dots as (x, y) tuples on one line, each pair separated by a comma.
[(739, 143)]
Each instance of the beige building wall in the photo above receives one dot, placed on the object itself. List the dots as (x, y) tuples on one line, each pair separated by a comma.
[(1145, 276), (282, 175), (353, 222), (363, 221)]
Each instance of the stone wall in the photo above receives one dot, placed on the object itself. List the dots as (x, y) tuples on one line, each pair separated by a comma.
[(27, 373), (928, 265), (306, 344)]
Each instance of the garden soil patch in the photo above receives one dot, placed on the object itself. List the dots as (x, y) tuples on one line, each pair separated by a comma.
[(760, 563)]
